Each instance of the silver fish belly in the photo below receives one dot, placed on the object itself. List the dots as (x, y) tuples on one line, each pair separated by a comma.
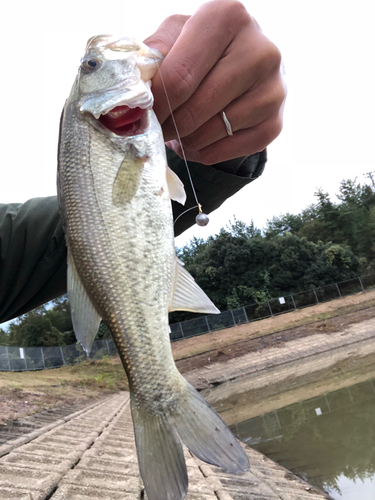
[(114, 190)]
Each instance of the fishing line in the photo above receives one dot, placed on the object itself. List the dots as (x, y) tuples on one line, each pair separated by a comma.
[(184, 212), (201, 219)]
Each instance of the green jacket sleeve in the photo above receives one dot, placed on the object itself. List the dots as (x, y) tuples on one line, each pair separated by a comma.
[(32, 243)]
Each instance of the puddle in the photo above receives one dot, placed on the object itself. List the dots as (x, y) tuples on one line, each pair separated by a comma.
[(328, 440)]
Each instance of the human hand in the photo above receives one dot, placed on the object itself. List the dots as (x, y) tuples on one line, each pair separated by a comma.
[(218, 59)]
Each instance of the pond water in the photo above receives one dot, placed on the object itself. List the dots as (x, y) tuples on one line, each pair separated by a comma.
[(329, 440)]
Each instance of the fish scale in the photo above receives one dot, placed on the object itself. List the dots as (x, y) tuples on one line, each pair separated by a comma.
[(115, 195)]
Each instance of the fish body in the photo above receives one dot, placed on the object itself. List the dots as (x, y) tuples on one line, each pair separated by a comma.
[(115, 193)]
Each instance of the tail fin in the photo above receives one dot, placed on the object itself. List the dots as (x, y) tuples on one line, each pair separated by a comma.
[(206, 434), (160, 455)]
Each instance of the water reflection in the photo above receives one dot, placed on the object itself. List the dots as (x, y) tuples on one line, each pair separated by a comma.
[(329, 440)]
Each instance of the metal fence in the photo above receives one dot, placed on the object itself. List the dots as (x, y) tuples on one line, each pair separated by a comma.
[(39, 358), (272, 307)]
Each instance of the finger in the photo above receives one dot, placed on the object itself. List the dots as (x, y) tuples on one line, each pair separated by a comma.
[(235, 74), (247, 111), (190, 60), (166, 35), (225, 83), (243, 143)]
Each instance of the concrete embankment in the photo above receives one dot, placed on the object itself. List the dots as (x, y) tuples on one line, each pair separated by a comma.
[(91, 455), (265, 380)]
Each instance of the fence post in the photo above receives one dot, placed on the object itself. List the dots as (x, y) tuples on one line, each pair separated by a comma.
[(234, 321), (317, 301), (182, 331), (338, 289), (106, 341), (360, 281), (44, 363), (8, 358), (269, 306), (208, 326), (62, 355), (291, 296), (244, 311)]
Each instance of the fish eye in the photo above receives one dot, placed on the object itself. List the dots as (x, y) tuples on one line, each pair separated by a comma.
[(91, 64)]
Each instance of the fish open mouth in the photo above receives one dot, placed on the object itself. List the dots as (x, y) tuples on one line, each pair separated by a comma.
[(124, 121)]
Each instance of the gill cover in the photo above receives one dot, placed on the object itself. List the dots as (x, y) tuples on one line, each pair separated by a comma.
[(116, 71)]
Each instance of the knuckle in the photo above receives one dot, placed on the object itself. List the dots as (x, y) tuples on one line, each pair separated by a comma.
[(193, 142), (230, 13), (177, 18), (276, 98), (235, 9), (280, 96), (274, 57), (239, 13), (182, 79), (269, 131), (185, 120), (209, 156), (278, 126), (270, 57)]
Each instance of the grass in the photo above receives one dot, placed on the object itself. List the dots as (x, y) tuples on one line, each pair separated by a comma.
[(107, 374), (26, 393)]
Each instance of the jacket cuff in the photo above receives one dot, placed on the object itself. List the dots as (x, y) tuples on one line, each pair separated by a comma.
[(212, 185), (244, 166)]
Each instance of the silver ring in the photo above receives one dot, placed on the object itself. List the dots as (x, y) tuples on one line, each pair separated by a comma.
[(227, 124)]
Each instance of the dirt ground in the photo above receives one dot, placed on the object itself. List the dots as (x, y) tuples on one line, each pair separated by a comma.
[(222, 345), (25, 393), (17, 403)]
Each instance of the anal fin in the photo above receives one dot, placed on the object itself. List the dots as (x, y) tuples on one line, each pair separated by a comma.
[(188, 295)]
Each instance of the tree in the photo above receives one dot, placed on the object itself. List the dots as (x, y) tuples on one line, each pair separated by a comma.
[(4, 338), (44, 326), (239, 266), (32, 330), (350, 222), (59, 314), (239, 228)]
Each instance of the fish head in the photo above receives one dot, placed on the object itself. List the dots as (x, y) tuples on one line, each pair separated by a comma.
[(113, 85)]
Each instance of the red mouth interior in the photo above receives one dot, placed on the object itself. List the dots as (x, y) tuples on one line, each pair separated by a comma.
[(123, 120)]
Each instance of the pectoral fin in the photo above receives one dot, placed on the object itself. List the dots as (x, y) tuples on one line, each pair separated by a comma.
[(188, 296), (175, 187), (128, 177), (85, 319)]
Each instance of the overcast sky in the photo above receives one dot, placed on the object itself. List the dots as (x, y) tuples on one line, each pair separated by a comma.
[(328, 50)]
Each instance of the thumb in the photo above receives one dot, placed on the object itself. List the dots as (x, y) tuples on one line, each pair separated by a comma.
[(166, 35)]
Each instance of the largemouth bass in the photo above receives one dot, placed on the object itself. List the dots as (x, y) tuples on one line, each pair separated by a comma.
[(115, 192)]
